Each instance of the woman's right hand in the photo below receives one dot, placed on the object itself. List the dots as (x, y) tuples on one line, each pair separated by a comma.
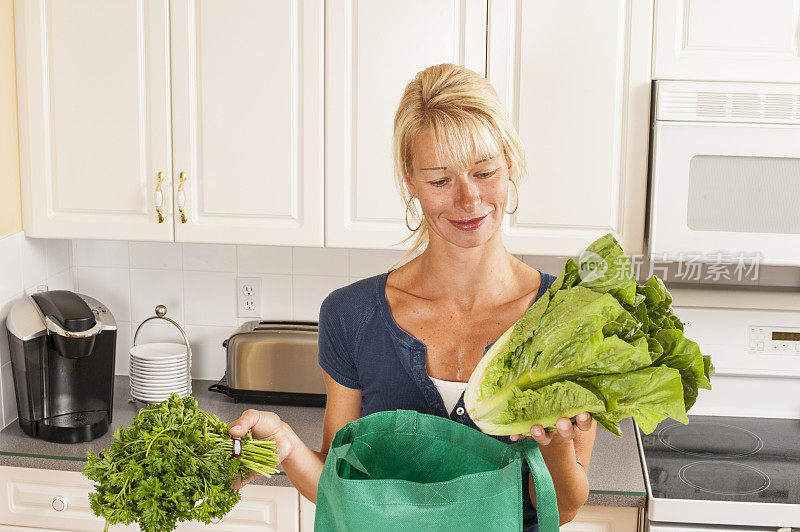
[(265, 426)]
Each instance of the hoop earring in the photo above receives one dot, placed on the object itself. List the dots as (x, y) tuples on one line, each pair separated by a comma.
[(407, 224), (516, 192)]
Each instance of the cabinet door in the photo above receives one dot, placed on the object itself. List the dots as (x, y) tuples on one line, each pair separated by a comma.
[(576, 80), (262, 509), (604, 519), (247, 120), (727, 40), (94, 118), (307, 511), (373, 49), (56, 500)]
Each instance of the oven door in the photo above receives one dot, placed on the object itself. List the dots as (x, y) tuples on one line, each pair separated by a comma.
[(725, 191)]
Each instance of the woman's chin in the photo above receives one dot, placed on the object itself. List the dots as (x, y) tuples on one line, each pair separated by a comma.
[(470, 239)]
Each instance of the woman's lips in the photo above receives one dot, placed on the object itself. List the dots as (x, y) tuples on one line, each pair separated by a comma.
[(468, 225)]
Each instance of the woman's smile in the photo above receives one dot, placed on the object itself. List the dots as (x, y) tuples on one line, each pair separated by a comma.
[(468, 225)]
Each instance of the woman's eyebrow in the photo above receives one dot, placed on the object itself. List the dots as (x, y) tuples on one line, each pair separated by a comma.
[(445, 168)]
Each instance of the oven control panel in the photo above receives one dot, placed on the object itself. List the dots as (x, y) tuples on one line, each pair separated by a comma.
[(773, 340)]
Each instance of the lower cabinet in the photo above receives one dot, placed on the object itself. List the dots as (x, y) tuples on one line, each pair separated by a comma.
[(36, 499), (604, 519), (589, 519)]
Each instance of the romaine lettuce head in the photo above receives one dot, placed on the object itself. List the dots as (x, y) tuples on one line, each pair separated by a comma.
[(590, 338), (648, 395), (565, 341)]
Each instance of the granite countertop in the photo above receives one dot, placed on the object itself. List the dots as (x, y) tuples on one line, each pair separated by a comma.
[(615, 472)]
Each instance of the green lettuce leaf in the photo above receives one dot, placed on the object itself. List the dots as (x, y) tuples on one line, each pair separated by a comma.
[(649, 395), (593, 329)]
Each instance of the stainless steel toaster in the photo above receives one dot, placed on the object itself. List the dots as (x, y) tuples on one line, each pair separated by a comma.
[(273, 362)]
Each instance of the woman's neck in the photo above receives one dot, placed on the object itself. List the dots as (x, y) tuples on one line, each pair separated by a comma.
[(467, 276)]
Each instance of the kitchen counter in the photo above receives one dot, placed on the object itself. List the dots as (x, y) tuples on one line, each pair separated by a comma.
[(615, 473)]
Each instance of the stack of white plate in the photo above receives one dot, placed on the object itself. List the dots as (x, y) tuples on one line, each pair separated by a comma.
[(159, 369)]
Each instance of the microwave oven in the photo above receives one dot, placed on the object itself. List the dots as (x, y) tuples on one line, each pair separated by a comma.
[(725, 172)]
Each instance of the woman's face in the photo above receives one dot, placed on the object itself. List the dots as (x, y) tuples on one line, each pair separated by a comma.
[(463, 206)]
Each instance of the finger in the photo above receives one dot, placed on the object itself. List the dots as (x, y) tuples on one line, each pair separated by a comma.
[(246, 421), (564, 428), (540, 435), (240, 483), (583, 421)]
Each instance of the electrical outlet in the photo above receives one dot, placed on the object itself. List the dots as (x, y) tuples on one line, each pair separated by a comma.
[(248, 297)]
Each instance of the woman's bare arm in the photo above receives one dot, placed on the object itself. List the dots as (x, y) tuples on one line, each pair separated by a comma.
[(302, 465), (566, 452)]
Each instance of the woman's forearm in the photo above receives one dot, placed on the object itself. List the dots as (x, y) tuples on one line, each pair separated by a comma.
[(303, 466), (569, 479)]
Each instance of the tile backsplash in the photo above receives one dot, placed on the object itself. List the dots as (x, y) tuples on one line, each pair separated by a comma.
[(25, 265), (197, 284)]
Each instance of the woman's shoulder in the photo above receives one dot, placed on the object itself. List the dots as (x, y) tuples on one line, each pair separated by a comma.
[(346, 313), (356, 300)]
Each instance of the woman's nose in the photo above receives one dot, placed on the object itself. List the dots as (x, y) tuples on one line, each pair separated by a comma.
[(468, 196)]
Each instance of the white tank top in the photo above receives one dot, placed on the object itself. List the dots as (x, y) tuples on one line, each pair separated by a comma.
[(450, 391)]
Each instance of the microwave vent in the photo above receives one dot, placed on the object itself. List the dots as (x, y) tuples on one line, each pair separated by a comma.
[(728, 102)]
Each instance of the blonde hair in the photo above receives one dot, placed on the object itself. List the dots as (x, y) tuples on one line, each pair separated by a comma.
[(467, 120)]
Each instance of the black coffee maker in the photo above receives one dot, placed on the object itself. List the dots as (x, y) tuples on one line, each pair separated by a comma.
[(62, 356)]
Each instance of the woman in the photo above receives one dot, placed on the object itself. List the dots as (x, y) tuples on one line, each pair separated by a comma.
[(411, 338)]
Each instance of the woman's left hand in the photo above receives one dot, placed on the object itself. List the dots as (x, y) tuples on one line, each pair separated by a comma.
[(565, 430)]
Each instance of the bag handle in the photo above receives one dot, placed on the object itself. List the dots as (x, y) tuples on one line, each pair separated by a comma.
[(546, 503), (345, 452)]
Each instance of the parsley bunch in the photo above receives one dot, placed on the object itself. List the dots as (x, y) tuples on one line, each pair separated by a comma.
[(172, 464)]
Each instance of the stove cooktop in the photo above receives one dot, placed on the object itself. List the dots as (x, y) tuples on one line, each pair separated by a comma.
[(731, 459)]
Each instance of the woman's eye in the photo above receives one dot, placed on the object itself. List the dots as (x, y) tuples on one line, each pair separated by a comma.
[(439, 183), (484, 175)]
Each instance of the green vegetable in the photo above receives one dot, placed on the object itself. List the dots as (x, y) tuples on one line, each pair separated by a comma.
[(172, 464), (595, 342)]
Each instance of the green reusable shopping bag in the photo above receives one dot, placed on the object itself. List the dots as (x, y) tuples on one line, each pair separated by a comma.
[(399, 469)]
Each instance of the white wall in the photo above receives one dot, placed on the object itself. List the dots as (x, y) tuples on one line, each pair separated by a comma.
[(196, 282), (26, 263)]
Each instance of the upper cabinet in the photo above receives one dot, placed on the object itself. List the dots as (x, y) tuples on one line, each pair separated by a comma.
[(247, 111), (270, 122), (230, 151), (727, 40), (373, 49), (94, 118), (576, 81)]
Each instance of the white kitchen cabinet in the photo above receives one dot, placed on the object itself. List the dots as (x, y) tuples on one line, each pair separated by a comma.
[(58, 500), (94, 118), (373, 49), (247, 110), (727, 40), (589, 519), (307, 511), (269, 133), (604, 519), (576, 81), (237, 135), (53, 500), (262, 509)]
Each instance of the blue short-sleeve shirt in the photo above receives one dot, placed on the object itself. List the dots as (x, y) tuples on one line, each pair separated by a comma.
[(362, 347)]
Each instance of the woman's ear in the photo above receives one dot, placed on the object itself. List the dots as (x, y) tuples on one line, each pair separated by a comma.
[(412, 190)]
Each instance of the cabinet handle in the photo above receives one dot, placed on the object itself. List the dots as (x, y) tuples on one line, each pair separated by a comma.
[(182, 196), (159, 199), (59, 504)]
